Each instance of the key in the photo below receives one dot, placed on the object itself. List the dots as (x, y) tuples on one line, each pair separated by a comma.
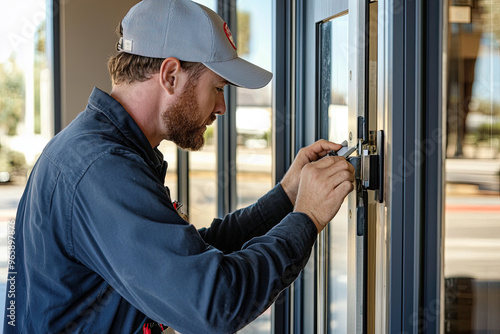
[(349, 152), (344, 151)]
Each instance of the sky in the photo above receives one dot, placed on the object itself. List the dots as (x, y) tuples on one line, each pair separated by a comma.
[(261, 29), (18, 21), (487, 76), (261, 13)]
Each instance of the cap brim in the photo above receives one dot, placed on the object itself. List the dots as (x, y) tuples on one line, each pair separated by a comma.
[(242, 73)]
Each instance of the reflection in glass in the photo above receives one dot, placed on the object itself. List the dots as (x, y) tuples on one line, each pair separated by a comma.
[(203, 181), (169, 151), (254, 118), (26, 109), (203, 171), (253, 110), (212, 4), (333, 108), (472, 226)]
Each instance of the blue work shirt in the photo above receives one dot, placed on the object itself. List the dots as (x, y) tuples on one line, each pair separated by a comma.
[(99, 248)]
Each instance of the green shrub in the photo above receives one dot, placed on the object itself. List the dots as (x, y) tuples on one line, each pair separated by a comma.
[(487, 131), (11, 161)]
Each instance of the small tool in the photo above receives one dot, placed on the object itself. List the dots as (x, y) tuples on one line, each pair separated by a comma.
[(345, 151)]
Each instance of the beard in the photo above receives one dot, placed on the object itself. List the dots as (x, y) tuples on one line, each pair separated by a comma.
[(182, 124)]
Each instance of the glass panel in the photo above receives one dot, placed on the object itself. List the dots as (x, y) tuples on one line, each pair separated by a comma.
[(203, 181), (26, 110), (254, 118), (254, 107), (203, 171), (169, 150), (212, 4), (472, 226), (334, 110)]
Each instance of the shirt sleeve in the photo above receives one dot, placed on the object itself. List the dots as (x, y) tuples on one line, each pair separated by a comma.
[(236, 228), (125, 229)]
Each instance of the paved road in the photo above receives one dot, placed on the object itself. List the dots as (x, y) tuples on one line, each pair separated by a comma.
[(472, 230)]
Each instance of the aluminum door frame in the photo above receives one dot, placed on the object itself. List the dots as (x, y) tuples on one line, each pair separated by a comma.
[(410, 102), (316, 12)]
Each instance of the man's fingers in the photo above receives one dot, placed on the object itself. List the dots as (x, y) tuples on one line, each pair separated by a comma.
[(321, 194), (341, 177), (344, 188), (332, 180), (319, 149), (331, 170), (333, 164)]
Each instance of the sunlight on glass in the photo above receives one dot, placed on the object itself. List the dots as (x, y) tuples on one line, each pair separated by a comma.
[(472, 216), (212, 4), (203, 171), (254, 116), (169, 151), (26, 110), (203, 181), (334, 88), (254, 107)]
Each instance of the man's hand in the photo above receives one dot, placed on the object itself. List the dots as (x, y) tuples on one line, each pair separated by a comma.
[(319, 149), (323, 186)]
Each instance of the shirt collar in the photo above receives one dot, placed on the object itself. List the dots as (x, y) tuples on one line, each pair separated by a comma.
[(121, 119)]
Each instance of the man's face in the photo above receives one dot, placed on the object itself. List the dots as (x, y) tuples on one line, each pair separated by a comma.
[(186, 120)]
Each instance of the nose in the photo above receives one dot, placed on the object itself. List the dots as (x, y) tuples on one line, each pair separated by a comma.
[(220, 105)]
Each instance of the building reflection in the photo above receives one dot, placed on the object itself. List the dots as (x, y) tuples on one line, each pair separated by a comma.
[(472, 215)]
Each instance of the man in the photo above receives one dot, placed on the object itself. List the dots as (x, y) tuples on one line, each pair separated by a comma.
[(99, 246)]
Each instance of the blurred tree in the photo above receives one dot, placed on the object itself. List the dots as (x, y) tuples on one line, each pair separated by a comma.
[(11, 95), (12, 162), (39, 66), (243, 39), (464, 43), (488, 107), (490, 16)]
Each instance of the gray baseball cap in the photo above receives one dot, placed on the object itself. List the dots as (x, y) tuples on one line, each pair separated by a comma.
[(190, 32)]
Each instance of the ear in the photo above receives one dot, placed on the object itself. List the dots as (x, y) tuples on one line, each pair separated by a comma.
[(171, 75)]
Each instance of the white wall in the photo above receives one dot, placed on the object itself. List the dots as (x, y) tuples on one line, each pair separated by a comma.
[(88, 39)]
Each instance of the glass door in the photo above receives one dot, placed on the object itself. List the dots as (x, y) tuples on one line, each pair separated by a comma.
[(334, 124), (342, 91), (472, 207)]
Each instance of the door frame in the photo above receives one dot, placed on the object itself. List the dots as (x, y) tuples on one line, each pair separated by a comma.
[(410, 101), (316, 12)]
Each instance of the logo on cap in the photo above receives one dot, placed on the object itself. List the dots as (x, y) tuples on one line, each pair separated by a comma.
[(229, 35)]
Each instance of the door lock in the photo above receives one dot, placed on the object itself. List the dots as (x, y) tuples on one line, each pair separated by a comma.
[(369, 167), (372, 167)]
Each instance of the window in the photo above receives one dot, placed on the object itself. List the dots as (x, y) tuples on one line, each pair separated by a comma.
[(253, 111), (169, 151), (254, 114), (26, 106), (203, 171), (472, 212), (333, 105)]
